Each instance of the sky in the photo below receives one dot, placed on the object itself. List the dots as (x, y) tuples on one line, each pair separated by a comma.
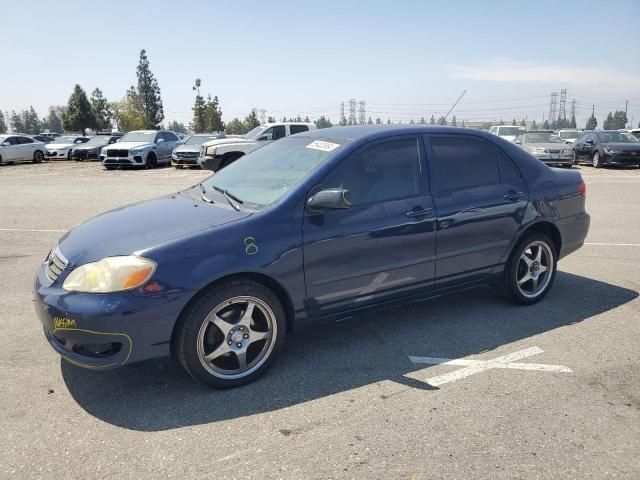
[(405, 59)]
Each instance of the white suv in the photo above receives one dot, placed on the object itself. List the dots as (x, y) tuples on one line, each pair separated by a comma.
[(508, 132), (141, 148), (217, 154)]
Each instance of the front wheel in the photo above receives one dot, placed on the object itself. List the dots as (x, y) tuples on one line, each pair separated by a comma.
[(530, 271), (38, 157), (231, 334), (575, 158), (596, 160)]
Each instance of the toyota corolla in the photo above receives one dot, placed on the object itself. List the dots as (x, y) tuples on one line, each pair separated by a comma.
[(312, 228)]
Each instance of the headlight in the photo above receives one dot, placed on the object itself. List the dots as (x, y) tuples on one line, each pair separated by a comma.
[(111, 274), (174, 156), (611, 151), (137, 151), (564, 151), (538, 150), (103, 151), (211, 151)]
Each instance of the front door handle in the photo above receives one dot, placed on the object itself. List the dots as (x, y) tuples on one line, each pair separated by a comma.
[(420, 212), (513, 196)]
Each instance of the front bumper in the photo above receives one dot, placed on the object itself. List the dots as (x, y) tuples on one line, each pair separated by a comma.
[(622, 159), (103, 331), (57, 153), (84, 155), (209, 162), (130, 161)]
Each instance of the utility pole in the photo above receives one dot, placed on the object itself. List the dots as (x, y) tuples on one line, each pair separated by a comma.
[(626, 106), (343, 119), (352, 111), (361, 113)]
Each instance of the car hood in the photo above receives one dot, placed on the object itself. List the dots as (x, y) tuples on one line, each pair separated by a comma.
[(129, 145), (59, 146), (94, 146), (549, 146), (227, 140), (188, 148), (142, 226), (627, 147), (508, 138)]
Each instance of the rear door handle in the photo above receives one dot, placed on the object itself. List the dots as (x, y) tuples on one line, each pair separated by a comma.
[(420, 212), (513, 196)]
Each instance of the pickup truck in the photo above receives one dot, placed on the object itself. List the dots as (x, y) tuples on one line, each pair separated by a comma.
[(217, 154)]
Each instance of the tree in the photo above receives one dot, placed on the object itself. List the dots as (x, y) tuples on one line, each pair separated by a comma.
[(501, 122), (388, 121), (53, 122), (198, 122), (78, 116), (523, 123), (609, 122), (17, 125), (514, 122), (3, 123), (149, 93), (127, 113), (454, 121), (378, 121), (177, 127), (534, 125), (32, 124), (236, 127), (100, 110), (432, 121), (545, 126), (369, 122), (592, 123), (572, 122), (411, 122), (620, 119), (271, 119), (343, 122), (213, 115), (442, 121), (251, 121), (323, 122), (422, 121)]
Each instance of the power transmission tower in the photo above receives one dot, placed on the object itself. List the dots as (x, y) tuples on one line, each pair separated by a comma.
[(573, 108), (343, 120), (362, 117), (352, 111), (553, 108), (562, 114), (263, 115)]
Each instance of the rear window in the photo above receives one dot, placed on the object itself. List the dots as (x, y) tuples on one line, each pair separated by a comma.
[(298, 129)]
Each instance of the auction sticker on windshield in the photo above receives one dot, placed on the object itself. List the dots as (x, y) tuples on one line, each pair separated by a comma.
[(323, 146)]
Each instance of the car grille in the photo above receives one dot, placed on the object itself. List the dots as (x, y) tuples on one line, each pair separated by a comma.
[(186, 154), (552, 151), (118, 153), (55, 264)]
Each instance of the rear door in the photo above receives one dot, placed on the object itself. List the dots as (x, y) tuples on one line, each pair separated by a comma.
[(480, 200), (383, 246), (26, 148)]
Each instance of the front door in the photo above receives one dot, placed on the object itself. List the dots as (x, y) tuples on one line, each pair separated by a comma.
[(480, 201), (381, 247)]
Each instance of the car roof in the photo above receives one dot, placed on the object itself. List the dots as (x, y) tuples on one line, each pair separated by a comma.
[(286, 123)]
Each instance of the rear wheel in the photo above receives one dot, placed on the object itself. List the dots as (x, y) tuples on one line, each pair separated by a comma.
[(531, 269), (596, 160), (38, 157), (229, 159), (231, 334), (152, 161)]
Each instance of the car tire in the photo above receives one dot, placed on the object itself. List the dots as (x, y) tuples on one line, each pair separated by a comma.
[(523, 274), (221, 328), (228, 160), (595, 161), (38, 157), (152, 161), (575, 161)]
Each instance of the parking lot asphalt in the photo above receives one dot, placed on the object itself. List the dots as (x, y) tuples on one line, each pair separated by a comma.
[(346, 400)]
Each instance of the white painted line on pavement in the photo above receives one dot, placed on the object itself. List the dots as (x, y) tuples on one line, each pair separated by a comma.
[(613, 244), (29, 230), (477, 366)]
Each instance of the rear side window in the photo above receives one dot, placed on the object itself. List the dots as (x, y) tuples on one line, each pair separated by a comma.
[(464, 162), (25, 140), (298, 128), (383, 172), (507, 169)]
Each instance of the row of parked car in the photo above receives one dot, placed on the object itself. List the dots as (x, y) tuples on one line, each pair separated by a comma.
[(564, 148)]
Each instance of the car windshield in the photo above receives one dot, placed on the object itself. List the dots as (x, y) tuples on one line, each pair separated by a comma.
[(3, 138), (510, 130), (253, 134), (541, 138), (139, 137), (569, 135), (65, 140), (265, 175), (617, 137), (198, 139), (636, 134)]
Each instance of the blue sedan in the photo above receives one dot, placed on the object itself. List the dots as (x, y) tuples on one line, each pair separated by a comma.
[(309, 229)]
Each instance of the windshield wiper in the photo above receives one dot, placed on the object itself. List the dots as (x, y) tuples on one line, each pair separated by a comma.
[(204, 194), (230, 197)]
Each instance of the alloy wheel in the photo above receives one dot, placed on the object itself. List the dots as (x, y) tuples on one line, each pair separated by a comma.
[(237, 337), (535, 269), (596, 159)]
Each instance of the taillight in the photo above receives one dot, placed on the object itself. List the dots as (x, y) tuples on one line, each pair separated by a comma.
[(582, 188)]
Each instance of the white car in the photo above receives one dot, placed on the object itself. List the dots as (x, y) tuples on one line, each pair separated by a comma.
[(20, 148), (140, 148), (217, 154), (568, 136), (61, 147), (508, 132)]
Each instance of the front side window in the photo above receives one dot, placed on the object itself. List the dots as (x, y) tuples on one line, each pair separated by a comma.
[(11, 141), (464, 162), (25, 140), (273, 133), (382, 172)]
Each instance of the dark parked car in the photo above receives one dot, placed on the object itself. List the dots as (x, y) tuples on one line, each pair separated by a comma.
[(91, 149), (312, 228), (607, 148)]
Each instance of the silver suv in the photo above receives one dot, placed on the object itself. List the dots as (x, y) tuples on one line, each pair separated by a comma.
[(140, 148)]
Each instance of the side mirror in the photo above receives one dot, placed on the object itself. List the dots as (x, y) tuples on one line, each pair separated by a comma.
[(330, 199), (5, 144), (179, 143), (160, 140)]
